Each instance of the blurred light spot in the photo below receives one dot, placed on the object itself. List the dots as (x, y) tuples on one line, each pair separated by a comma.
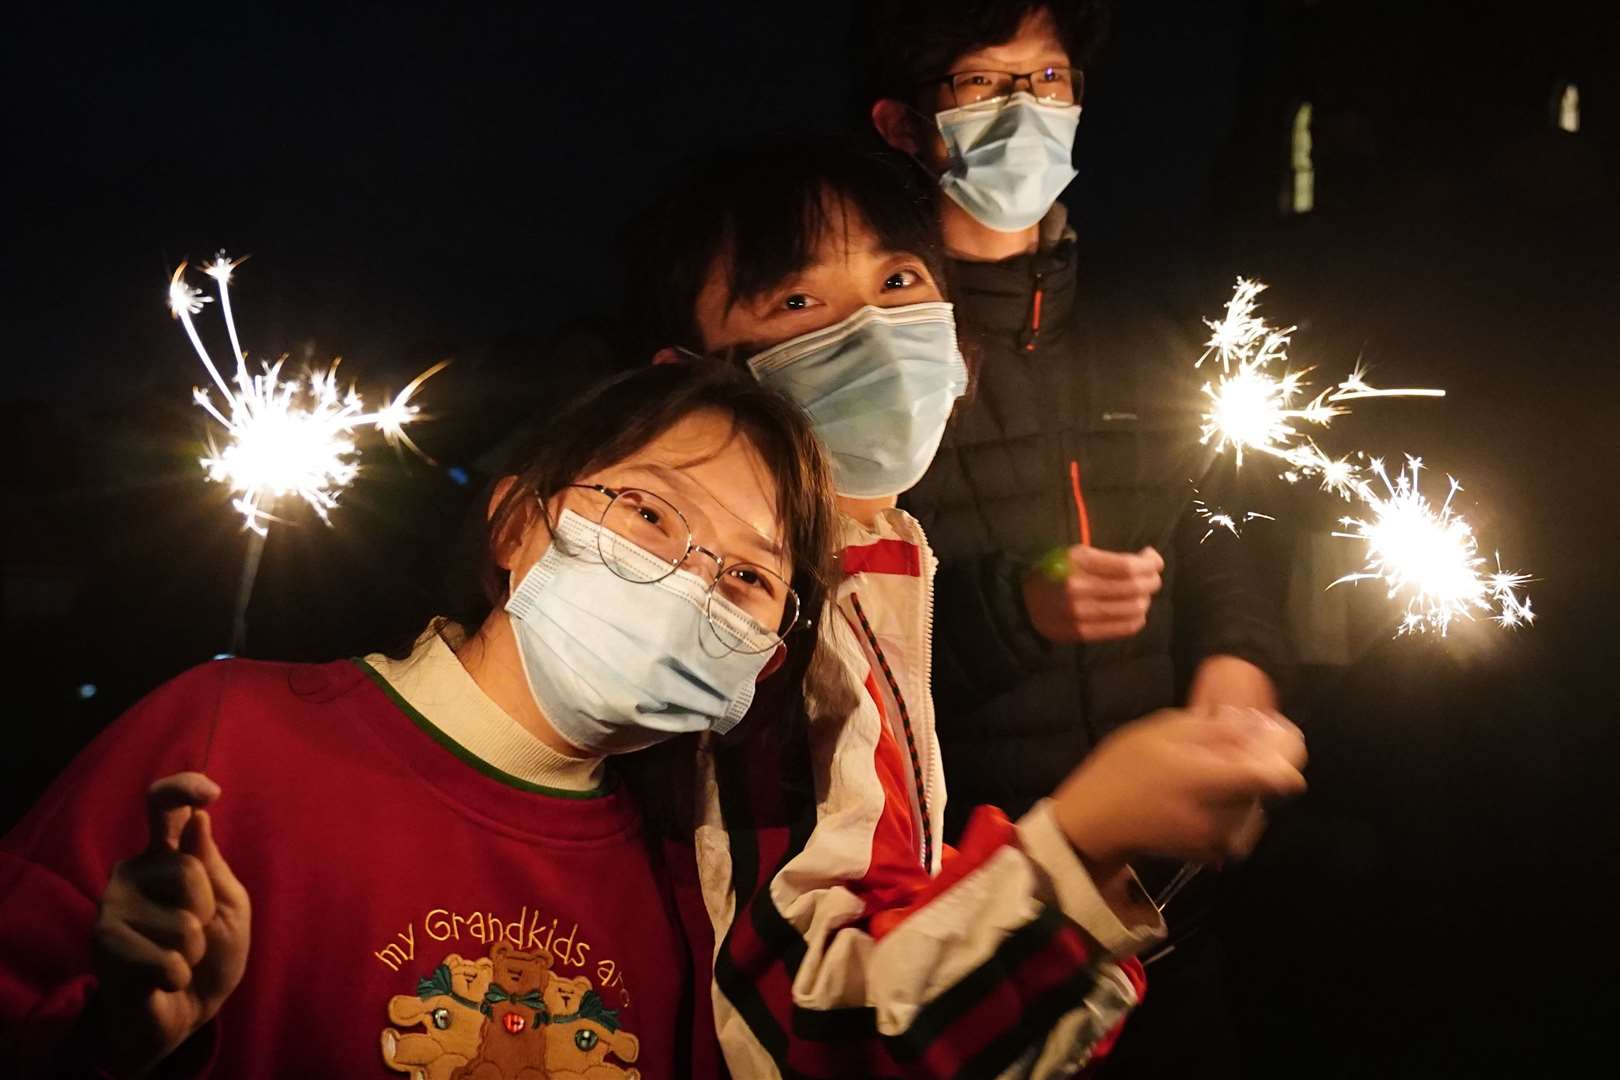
[(87, 691), (458, 475), (1569, 109), (224, 656), (1304, 199)]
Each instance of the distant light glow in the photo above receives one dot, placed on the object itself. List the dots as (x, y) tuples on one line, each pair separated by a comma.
[(1569, 109), (87, 691), (1304, 187)]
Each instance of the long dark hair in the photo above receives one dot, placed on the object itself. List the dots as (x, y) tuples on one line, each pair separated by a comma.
[(765, 207), (607, 425)]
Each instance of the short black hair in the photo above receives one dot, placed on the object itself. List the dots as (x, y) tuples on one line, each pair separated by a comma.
[(900, 44), (765, 207)]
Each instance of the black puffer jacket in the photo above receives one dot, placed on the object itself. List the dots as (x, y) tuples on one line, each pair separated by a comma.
[(1103, 383)]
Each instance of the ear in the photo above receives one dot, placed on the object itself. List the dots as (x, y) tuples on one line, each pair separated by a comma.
[(406, 1010), (774, 664), (895, 124), (625, 1046), (503, 487), (508, 541)]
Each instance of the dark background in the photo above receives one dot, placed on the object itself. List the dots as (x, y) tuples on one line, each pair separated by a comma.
[(416, 185)]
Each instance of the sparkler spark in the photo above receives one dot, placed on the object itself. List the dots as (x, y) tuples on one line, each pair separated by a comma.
[(1427, 556), (1253, 408), (1430, 557), (282, 437), (1220, 519)]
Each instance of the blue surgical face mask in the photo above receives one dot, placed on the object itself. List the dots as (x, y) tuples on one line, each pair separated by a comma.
[(1009, 158), (617, 666), (878, 387)]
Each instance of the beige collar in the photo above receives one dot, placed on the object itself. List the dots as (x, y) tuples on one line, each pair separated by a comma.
[(433, 682)]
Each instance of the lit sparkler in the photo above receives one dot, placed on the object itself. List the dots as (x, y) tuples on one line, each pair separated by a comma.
[(1430, 557), (1253, 408), (284, 436)]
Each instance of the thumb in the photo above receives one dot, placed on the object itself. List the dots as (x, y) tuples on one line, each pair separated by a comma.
[(198, 840)]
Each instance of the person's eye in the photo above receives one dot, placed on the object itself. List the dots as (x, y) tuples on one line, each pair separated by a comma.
[(902, 279), (799, 301), (650, 515), (1050, 75), (752, 579), (978, 78)]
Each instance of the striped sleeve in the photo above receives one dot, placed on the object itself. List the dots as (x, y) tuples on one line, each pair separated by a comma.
[(838, 954)]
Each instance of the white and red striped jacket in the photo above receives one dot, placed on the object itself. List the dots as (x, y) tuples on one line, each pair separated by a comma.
[(849, 941)]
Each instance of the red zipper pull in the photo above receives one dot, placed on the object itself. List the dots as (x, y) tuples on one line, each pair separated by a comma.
[(1079, 502), (1033, 335)]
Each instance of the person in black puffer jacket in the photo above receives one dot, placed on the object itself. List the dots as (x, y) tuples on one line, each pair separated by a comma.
[(1075, 590), (1090, 398), (1082, 428)]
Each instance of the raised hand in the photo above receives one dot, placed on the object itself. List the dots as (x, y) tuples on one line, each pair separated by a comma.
[(1180, 784), (1104, 595), (171, 938)]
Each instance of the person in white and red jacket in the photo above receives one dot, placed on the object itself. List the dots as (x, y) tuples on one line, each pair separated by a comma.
[(849, 939)]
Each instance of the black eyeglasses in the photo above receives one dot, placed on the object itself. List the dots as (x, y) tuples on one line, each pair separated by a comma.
[(644, 538), (1057, 85)]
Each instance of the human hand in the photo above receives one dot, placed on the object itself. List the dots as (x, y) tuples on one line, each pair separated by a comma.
[(1105, 595), (171, 938), (1179, 784)]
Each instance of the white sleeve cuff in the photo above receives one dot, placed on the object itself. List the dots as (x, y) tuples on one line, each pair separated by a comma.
[(1077, 895)]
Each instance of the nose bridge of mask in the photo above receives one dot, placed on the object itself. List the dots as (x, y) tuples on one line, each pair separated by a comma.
[(579, 537), (986, 114), (780, 356)]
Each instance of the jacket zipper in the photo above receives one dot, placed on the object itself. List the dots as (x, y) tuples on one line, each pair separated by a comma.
[(907, 728), (928, 567), (1030, 336)]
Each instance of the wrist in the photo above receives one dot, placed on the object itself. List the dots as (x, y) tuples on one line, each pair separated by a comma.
[(1102, 857)]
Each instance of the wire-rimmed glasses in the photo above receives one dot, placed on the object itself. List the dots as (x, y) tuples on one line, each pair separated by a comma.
[(644, 538)]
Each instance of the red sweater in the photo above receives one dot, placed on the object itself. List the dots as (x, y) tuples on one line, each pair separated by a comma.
[(414, 911)]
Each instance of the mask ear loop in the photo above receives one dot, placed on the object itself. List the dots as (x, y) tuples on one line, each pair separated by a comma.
[(675, 354), (929, 127), (774, 664)]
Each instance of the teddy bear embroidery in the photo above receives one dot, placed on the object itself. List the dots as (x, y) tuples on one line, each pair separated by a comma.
[(449, 1007), (507, 1016)]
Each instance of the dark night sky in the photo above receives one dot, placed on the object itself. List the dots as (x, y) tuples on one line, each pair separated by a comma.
[(411, 180)]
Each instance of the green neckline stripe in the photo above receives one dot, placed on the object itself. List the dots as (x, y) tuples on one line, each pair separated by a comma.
[(466, 755)]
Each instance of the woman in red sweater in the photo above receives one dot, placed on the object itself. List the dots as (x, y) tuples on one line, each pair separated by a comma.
[(424, 866)]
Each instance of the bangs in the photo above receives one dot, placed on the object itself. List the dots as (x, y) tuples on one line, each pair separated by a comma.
[(776, 228), (761, 212)]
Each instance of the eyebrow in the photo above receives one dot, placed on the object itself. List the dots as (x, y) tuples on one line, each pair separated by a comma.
[(752, 539)]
